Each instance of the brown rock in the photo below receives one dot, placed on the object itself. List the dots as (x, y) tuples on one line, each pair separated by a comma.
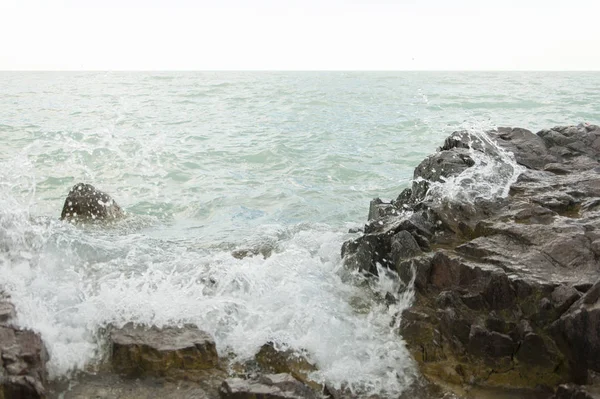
[(273, 360), (151, 351), (269, 386)]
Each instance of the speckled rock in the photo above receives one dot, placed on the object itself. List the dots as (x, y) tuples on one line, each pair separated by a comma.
[(86, 203)]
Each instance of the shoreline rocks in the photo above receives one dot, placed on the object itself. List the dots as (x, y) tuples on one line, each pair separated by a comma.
[(505, 286), (23, 358)]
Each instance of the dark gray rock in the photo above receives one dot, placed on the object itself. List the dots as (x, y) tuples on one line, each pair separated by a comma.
[(563, 297), (503, 294), (23, 360), (404, 246), (490, 344), (578, 332), (85, 203)]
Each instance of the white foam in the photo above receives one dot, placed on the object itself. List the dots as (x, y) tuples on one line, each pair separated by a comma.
[(67, 283), (488, 179)]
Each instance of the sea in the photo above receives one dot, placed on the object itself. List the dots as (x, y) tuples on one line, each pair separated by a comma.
[(211, 164)]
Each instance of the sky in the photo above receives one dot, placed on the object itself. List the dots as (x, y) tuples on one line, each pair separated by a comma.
[(299, 35)]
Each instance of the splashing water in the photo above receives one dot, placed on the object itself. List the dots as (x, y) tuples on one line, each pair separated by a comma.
[(69, 282), (206, 163), (489, 178)]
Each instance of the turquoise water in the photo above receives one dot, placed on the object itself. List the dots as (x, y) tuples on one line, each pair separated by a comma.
[(206, 163)]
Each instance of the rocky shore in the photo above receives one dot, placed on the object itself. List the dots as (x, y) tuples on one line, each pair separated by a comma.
[(498, 236), (507, 287)]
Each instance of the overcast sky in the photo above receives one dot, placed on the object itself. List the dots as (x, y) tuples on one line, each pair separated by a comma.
[(300, 35)]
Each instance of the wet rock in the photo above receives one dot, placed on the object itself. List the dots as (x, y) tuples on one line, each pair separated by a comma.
[(572, 391), (490, 344), (85, 203), (498, 282), (437, 167), (533, 350), (7, 310), (151, 351), (498, 292), (563, 297), (264, 250), (269, 386), (404, 246), (578, 332), (275, 361), (23, 360), (529, 149), (101, 385), (379, 209)]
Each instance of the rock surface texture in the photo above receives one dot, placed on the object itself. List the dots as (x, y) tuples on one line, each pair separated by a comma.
[(268, 386), (501, 235), (140, 351), (85, 203), (23, 359)]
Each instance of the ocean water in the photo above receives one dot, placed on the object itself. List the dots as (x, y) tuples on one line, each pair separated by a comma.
[(209, 163)]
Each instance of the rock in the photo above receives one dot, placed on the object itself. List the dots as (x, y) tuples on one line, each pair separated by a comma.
[(533, 350), (404, 246), (102, 385), (85, 203), (502, 285), (379, 209), (499, 292), (269, 386), (437, 167), (563, 297), (151, 351), (272, 360), (529, 149), (486, 344), (7, 310), (264, 250), (572, 391), (578, 333), (23, 360)]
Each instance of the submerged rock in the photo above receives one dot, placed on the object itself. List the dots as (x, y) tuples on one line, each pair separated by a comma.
[(503, 257), (151, 351), (85, 203)]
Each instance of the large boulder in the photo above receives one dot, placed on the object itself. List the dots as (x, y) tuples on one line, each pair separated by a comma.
[(86, 203), (150, 351), (501, 236)]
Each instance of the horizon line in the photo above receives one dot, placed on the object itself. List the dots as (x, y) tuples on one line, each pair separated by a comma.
[(299, 70)]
